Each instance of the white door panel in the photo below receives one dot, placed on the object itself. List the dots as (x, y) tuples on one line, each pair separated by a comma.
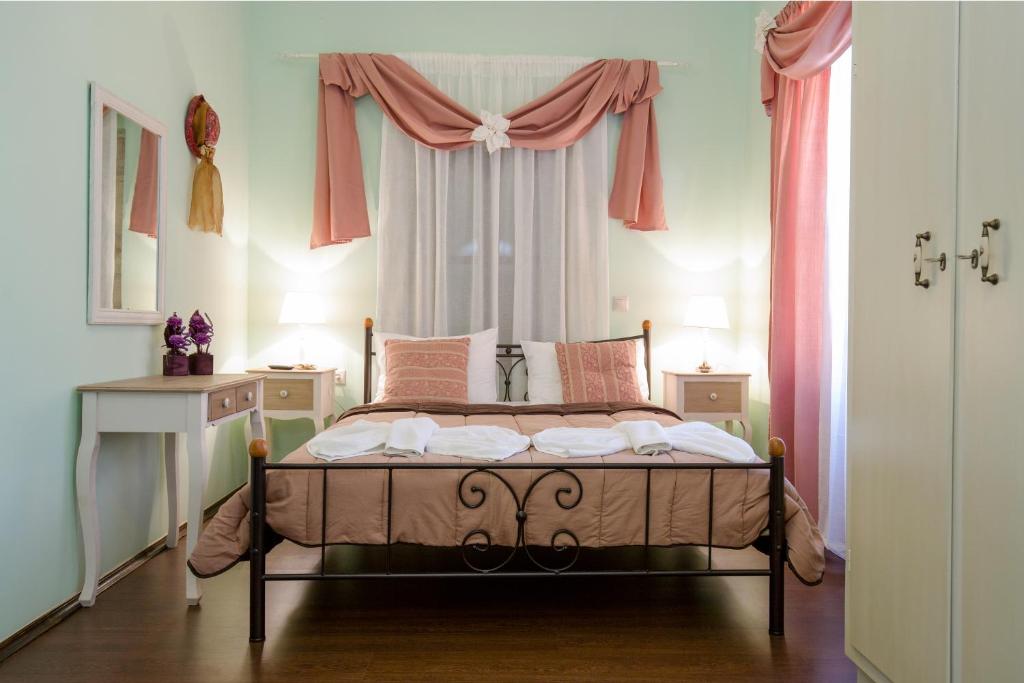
[(901, 345), (988, 591)]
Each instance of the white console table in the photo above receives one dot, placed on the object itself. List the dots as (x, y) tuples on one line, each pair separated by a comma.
[(167, 405)]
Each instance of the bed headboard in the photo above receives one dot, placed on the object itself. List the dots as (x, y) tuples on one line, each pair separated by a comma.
[(508, 358)]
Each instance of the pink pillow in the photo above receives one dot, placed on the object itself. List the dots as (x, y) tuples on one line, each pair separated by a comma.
[(598, 372), (426, 370)]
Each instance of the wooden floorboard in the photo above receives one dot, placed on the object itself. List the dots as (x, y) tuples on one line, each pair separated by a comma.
[(614, 629)]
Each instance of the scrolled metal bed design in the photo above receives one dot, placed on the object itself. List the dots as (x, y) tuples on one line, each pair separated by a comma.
[(476, 543)]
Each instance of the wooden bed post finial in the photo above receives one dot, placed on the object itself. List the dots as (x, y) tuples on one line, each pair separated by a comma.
[(258, 448), (368, 323), (646, 325), (776, 447)]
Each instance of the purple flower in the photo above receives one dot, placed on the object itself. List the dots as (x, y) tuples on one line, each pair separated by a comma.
[(200, 331), (174, 321), (177, 341)]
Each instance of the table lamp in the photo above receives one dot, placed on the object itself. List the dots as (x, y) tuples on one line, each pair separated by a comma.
[(301, 308), (707, 313)]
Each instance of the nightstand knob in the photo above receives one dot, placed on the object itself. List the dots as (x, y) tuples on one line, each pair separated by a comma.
[(248, 396), (284, 393), (226, 403), (713, 396)]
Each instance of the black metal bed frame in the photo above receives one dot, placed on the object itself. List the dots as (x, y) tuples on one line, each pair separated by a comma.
[(471, 496)]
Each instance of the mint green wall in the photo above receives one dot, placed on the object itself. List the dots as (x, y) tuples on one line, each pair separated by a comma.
[(713, 148), (155, 56)]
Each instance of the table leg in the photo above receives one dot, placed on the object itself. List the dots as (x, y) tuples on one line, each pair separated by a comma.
[(748, 430), (256, 424), (85, 481), (318, 424), (171, 470), (197, 457), (728, 427)]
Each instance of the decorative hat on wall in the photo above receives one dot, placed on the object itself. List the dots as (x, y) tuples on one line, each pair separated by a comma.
[(202, 129)]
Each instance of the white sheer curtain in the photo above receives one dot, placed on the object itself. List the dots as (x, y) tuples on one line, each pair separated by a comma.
[(517, 239), (832, 464)]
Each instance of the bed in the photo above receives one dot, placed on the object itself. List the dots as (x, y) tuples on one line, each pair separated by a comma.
[(532, 515)]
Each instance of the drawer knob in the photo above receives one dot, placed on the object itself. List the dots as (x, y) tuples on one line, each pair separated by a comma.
[(226, 403), (284, 393), (713, 396), (248, 396)]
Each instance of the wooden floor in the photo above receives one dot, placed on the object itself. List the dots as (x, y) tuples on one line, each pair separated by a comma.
[(563, 629)]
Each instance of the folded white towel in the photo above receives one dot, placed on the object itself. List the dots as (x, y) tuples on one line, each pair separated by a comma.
[(579, 442), (409, 436), (480, 442), (692, 437), (647, 437), (361, 437), (706, 439)]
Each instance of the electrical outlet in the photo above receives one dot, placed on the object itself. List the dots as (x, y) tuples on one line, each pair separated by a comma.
[(339, 377), (620, 304)]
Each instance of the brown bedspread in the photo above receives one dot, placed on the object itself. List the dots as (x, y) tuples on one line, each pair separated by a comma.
[(427, 510)]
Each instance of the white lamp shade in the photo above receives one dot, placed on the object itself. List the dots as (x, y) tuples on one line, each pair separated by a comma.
[(301, 308), (707, 311)]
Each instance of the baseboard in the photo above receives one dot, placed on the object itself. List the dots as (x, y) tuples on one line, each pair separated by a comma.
[(38, 627)]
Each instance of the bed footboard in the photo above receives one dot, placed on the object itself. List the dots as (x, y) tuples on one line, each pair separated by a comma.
[(478, 541)]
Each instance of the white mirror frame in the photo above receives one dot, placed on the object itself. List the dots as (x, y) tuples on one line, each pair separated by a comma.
[(109, 316)]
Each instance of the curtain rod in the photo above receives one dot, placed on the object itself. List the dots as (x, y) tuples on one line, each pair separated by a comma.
[(314, 55)]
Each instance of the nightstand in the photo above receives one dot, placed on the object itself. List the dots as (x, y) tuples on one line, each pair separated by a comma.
[(292, 394), (710, 397)]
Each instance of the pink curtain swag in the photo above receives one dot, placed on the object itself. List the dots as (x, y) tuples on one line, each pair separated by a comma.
[(808, 37), (552, 121)]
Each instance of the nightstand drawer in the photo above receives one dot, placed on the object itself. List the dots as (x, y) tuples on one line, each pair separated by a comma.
[(712, 397), (222, 403), (245, 396), (288, 394)]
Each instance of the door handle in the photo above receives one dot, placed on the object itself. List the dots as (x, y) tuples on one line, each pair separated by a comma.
[(920, 260), (984, 252)]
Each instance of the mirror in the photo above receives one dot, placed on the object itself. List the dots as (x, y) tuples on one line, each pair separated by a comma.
[(126, 213)]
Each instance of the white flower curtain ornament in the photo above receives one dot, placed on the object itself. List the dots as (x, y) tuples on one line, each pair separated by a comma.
[(493, 131)]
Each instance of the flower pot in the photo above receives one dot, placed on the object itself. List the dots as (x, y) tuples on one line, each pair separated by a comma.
[(175, 366), (200, 364)]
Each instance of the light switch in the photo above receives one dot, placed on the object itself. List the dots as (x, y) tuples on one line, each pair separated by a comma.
[(620, 304)]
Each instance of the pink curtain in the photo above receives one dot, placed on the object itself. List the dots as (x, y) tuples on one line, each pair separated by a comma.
[(145, 201), (424, 113), (808, 38)]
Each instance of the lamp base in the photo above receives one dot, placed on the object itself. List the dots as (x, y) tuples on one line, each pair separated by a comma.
[(704, 367)]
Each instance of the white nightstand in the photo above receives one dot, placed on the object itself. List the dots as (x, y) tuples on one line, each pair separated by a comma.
[(292, 394), (710, 397)]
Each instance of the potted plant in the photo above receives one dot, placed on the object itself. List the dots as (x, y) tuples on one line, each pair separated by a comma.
[(200, 331), (176, 341)]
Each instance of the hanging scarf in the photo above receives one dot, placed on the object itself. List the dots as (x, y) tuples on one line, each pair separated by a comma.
[(202, 129)]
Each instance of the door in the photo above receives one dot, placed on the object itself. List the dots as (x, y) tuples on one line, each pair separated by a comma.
[(988, 559), (900, 402)]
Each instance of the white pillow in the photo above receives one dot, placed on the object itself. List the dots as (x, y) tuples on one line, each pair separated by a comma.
[(544, 380), (482, 384)]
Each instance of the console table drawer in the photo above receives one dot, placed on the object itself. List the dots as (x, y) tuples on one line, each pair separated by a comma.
[(712, 397), (245, 396), (222, 403), (288, 394)]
